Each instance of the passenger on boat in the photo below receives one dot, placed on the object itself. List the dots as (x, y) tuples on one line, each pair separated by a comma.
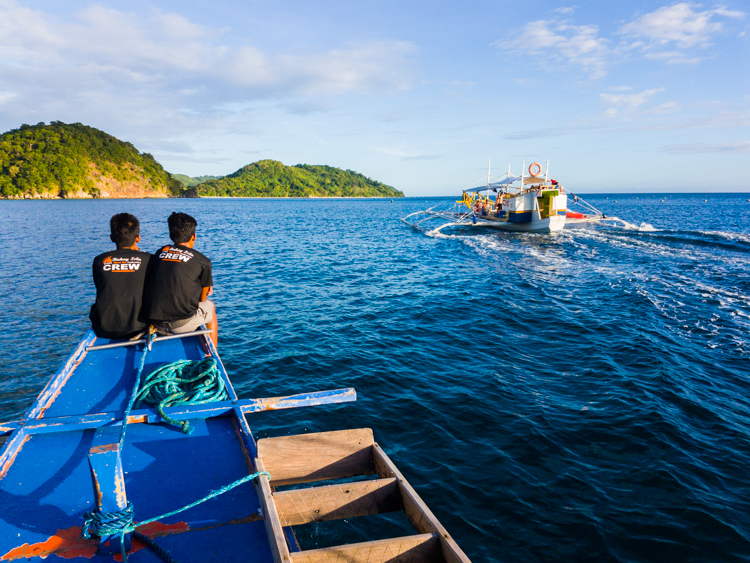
[(116, 311), (176, 295)]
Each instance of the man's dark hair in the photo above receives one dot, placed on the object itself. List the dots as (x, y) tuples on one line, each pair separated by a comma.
[(125, 228), (181, 227)]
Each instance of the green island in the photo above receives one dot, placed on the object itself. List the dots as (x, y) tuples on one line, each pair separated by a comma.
[(76, 161), (270, 178), (62, 160)]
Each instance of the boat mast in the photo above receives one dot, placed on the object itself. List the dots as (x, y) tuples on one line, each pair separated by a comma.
[(489, 167), (507, 186), (546, 172)]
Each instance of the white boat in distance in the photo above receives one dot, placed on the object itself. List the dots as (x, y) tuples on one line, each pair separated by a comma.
[(538, 204)]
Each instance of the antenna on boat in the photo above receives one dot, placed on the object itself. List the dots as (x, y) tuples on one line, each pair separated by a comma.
[(546, 172), (489, 167), (523, 169)]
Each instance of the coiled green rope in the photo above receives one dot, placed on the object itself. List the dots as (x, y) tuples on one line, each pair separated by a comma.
[(183, 382)]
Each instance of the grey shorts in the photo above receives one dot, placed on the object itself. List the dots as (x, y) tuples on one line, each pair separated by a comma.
[(204, 315)]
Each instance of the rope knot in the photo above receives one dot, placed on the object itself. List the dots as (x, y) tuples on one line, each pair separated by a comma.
[(102, 524)]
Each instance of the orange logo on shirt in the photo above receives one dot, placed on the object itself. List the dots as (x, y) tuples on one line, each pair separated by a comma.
[(108, 260), (165, 249)]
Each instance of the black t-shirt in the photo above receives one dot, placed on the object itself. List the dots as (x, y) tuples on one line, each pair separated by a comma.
[(173, 290), (119, 277)]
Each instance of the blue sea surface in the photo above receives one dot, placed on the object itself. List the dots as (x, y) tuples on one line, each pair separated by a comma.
[(580, 396)]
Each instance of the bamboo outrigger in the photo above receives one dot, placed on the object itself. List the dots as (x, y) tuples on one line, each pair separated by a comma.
[(62, 460)]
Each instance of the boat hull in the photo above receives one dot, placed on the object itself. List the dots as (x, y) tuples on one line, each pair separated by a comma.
[(547, 225), (63, 460)]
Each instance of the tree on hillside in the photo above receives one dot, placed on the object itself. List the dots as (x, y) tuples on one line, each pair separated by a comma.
[(64, 158)]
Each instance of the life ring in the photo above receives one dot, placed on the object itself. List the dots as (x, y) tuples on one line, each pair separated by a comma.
[(538, 166)]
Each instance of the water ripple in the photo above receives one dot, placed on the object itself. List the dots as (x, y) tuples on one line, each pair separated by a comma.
[(580, 396)]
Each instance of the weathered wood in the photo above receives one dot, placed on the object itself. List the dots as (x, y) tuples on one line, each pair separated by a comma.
[(317, 457), (55, 385), (334, 502), (274, 529), (300, 400), (416, 510), (144, 340), (11, 449), (423, 548), (109, 483), (183, 412)]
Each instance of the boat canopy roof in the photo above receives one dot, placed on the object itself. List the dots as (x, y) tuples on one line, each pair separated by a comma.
[(494, 185), (534, 180)]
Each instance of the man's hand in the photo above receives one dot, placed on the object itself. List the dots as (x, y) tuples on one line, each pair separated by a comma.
[(205, 292)]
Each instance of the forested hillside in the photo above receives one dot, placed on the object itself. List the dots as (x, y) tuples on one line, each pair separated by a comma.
[(189, 182), (74, 160), (270, 178)]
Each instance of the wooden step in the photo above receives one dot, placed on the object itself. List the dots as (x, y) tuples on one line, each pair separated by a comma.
[(317, 504), (423, 548), (305, 458), (322, 456)]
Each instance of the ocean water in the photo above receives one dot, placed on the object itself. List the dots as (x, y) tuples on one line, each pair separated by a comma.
[(582, 396)]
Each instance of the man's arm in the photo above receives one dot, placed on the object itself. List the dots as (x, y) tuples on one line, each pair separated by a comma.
[(205, 292)]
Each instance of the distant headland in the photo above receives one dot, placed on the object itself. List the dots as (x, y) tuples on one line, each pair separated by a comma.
[(75, 161)]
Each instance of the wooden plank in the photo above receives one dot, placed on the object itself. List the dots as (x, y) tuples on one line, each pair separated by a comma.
[(11, 448), (183, 412), (334, 502), (108, 479), (145, 340), (274, 529), (304, 458), (300, 400), (58, 381), (416, 510), (208, 344), (423, 548)]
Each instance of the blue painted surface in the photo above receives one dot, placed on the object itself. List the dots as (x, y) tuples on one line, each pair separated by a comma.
[(185, 412), (521, 217), (103, 380), (108, 480), (48, 485)]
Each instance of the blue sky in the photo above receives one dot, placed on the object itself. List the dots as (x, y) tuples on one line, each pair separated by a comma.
[(636, 96)]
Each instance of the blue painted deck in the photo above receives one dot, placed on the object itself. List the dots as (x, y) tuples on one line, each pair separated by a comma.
[(45, 481)]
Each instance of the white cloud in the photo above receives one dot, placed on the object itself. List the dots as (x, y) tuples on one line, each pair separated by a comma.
[(742, 147), (168, 46), (667, 34), (165, 71), (630, 101), (724, 120), (6, 96), (576, 44), (666, 107), (676, 28), (405, 155), (565, 10)]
